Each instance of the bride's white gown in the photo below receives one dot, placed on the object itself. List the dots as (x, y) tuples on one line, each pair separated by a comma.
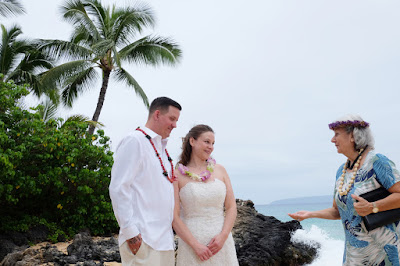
[(202, 210)]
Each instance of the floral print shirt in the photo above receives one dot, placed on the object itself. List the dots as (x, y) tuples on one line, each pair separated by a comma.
[(380, 246)]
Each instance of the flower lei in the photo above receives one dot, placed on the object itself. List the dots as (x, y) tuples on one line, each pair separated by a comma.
[(203, 176), (355, 123)]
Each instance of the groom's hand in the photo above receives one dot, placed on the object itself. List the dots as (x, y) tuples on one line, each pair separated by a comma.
[(134, 243)]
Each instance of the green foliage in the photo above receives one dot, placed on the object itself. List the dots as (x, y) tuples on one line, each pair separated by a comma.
[(52, 173)]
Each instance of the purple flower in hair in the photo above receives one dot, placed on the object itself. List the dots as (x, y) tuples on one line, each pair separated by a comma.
[(355, 123)]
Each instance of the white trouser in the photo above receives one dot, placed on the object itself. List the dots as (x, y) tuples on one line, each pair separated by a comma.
[(146, 255)]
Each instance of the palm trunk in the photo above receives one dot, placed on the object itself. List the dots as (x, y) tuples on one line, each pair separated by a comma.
[(100, 101)]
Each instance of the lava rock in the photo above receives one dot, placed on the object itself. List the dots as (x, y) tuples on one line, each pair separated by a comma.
[(16, 241), (260, 240), (264, 240)]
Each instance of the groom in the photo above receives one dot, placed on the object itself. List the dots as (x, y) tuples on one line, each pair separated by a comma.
[(141, 189)]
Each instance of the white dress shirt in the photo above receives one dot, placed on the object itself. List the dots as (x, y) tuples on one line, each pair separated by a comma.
[(142, 197)]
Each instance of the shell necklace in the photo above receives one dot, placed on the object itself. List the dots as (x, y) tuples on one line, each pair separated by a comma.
[(353, 178), (203, 176)]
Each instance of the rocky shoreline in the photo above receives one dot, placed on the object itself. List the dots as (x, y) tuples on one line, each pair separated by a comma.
[(260, 240), (264, 240)]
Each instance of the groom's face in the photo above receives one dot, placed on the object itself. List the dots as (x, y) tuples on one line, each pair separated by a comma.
[(167, 121)]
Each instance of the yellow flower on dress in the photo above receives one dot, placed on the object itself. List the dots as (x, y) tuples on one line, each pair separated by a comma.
[(59, 206)]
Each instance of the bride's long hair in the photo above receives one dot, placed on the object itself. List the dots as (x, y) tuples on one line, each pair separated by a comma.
[(195, 132)]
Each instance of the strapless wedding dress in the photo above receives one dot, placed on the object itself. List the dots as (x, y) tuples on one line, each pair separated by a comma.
[(202, 210)]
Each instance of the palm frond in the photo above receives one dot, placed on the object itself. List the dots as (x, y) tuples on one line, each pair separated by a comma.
[(35, 61), (34, 81), (74, 11), (19, 53), (77, 83), (47, 110), (56, 76), (101, 48), (63, 49), (81, 36), (117, 58), (11, 7), (123, 76), (8, 53), (152, 51), (25, 77), (98, 14), (82, 119), (23, 45), (21, 61), (12, 32), (128, 22)]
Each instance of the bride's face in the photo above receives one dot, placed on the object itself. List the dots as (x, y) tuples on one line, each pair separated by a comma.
[(203, 146)]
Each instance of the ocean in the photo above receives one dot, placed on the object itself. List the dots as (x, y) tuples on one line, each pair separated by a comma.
[(329, 233)]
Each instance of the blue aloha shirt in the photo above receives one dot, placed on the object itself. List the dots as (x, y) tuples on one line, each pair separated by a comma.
[(381, 246)]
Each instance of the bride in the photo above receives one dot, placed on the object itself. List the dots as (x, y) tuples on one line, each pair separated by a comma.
[(202, 192)]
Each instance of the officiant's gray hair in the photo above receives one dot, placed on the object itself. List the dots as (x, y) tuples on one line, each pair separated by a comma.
[(361, 132)]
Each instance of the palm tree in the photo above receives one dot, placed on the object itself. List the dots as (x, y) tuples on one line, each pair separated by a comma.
[(104, 38), (20, 59), (10, 7), (47, 110)]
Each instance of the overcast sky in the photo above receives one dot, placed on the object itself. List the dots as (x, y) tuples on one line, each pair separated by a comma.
[(268, 76)]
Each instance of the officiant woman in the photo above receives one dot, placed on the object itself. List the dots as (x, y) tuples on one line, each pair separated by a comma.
[(364, 171)]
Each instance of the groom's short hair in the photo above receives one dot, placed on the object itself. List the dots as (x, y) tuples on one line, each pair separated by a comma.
[(162, 104)]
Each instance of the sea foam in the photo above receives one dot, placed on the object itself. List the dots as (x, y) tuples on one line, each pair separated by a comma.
[(331, 250)]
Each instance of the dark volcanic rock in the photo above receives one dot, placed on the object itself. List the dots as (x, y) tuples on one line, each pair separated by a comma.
[(263, 240), (82, 251), (26, 257), (260, 240), (6, 246), (84, 248), (15, 241)]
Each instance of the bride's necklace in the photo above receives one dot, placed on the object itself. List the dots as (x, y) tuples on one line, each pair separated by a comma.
[(353, 178), (203, 176)]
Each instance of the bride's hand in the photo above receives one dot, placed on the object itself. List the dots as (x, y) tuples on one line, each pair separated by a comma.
[(216, 243), (203, 252)]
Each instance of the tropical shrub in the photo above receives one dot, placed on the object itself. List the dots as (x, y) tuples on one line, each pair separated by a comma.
[(52, 173)]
